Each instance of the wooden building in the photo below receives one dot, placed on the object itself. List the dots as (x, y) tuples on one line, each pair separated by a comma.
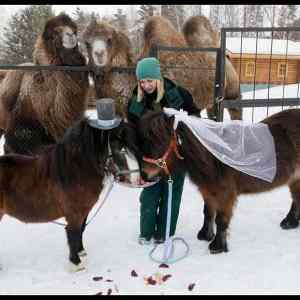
[(263, 61)]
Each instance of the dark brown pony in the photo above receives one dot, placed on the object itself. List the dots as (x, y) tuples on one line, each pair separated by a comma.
[(219, 184), (64, 180)]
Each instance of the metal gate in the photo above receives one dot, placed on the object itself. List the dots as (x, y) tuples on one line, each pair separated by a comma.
[(269, 101), (172, 71)]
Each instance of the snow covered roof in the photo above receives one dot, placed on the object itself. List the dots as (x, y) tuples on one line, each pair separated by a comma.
[(279, 47)]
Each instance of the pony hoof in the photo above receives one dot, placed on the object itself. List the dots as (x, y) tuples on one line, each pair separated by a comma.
[(82, 253), (217, 251), (205, 236), (289, 223), (75, 268), (214, 249)]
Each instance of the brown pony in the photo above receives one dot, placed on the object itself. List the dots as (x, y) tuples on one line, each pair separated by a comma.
[(64, 180), (219, 184)]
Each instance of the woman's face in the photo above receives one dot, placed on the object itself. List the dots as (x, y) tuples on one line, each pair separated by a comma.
[(148, 85)]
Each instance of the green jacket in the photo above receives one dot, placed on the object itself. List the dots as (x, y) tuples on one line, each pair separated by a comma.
[(175, 97)]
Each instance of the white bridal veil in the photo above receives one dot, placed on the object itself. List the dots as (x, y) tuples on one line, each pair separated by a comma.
[(248, 148)]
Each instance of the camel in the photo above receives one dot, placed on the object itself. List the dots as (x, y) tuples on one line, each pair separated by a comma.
[(194, 70), (199, 33), (36, 107), (109, 47)]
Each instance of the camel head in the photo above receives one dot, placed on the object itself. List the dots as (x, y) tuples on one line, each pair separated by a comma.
[(104, 42), (58, 44), (61, 31)]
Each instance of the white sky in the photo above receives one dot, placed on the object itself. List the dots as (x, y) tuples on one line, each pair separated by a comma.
[(102, 9)]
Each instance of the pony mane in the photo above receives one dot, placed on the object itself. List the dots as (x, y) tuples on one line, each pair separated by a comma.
[(158, 126), (79, 153)]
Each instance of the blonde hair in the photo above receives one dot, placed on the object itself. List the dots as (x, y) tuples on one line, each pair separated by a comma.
[(159, 87)]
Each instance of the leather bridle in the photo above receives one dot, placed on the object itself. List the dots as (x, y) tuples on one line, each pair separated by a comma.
[(162, 161)]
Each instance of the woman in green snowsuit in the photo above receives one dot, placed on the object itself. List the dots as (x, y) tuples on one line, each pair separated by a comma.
[(153, 92)]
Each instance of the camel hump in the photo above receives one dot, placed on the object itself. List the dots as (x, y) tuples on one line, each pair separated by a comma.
[(199, 32)]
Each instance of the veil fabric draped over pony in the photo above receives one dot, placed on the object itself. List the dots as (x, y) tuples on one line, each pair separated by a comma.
[(246, 147)]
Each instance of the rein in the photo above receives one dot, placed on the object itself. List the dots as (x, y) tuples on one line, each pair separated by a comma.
[(169, 244), (162, 161)]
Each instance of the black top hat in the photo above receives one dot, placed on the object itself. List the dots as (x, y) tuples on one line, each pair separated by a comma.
[(106, 112)]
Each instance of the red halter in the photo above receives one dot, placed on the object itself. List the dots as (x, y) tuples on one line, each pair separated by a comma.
[(162, 161)]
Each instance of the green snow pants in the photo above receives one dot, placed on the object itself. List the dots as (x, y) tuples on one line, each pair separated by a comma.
[(154, 205)]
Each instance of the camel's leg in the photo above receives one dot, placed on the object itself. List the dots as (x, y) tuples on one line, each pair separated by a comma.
[(292, 218), (82, 251), (211, 113), (207, 231), (235, 113), (73, 237)]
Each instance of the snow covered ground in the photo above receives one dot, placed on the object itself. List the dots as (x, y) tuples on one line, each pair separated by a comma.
[(262, 258)]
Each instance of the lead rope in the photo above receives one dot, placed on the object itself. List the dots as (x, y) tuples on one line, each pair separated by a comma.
[(169, 241), (110, 186)]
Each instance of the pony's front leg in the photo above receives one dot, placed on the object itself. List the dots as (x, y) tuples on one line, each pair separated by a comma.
[(219, 244), (74, 238), (207, 231), (82, 253)]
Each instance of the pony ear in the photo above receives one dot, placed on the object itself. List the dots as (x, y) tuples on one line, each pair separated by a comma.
[(169, 120)]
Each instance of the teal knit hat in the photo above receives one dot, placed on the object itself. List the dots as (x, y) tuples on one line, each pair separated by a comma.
[(148, 67)]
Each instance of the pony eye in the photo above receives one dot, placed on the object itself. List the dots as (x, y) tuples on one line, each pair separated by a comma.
[(88, 45), (109, 42)]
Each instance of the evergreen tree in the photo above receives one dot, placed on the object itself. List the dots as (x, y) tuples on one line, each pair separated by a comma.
[(82, 19), (291, 14), (22, 31), (197, 10), (282, 22), (295, 35), (175, 14), (136, 33), (145, 12), (120, 20), (214, 15)]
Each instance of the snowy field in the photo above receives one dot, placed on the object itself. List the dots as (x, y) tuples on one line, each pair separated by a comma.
[(262, 258)]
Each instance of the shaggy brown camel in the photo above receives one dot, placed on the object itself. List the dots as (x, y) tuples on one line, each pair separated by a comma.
[(199, 33), (109, 47), (194, 70), (36, 107)]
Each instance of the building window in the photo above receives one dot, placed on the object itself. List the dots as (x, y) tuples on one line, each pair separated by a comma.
[(250, 68), (282, 70)]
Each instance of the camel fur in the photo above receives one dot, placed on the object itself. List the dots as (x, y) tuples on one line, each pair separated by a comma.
[(194, 70), (199, 33), (116, 53), (51, 100)]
